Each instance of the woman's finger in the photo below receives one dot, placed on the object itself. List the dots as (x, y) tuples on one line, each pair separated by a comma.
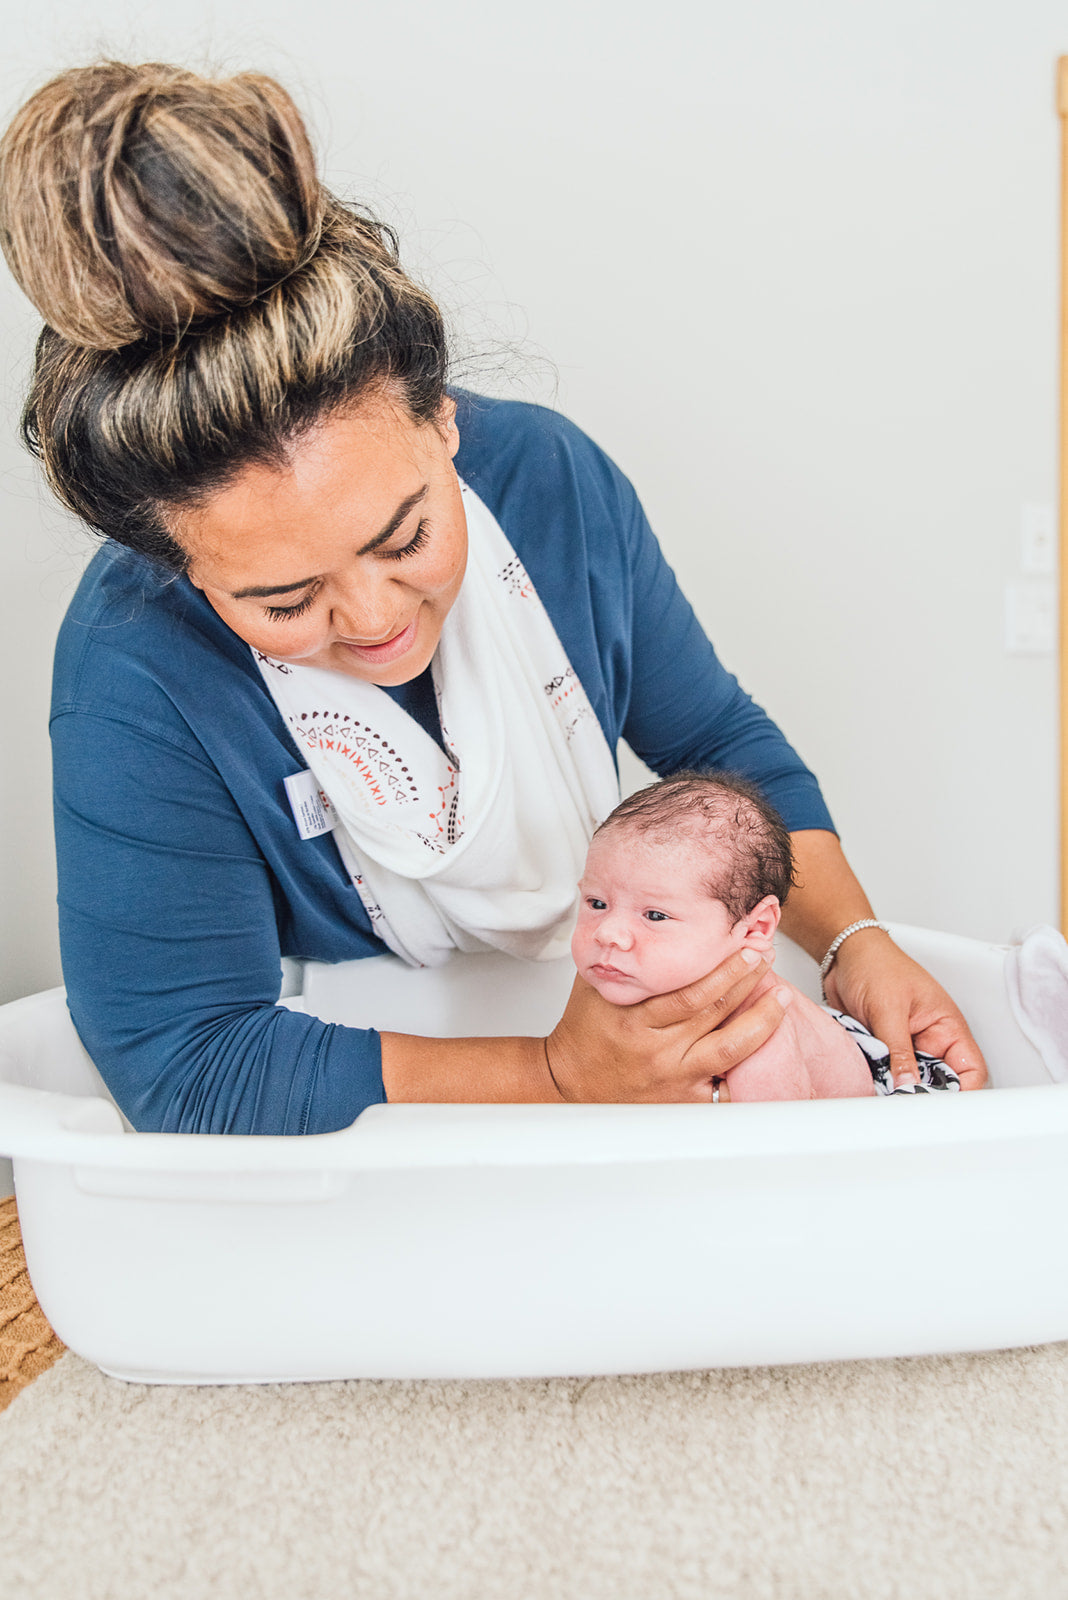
[(904, 1068), (710, 1000), (952, 1042), (968, 1063), (894, 1032), (602, 1052), (728, 1046)]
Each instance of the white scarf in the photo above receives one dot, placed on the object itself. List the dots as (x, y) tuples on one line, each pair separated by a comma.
[(480, 845)]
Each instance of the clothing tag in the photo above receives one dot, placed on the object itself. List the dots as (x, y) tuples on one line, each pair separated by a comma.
[(312, 811)]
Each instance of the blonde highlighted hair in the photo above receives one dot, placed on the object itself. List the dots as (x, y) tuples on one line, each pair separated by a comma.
[(206, 300)]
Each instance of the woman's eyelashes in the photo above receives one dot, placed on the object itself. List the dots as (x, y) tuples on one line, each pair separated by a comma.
[(415, 544), (279, 613)]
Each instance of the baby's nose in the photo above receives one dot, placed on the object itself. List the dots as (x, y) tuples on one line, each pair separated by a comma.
[(613, 930)]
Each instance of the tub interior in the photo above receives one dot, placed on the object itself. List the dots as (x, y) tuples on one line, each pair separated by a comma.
[(490, 994), (493, 994), (514, 1241)]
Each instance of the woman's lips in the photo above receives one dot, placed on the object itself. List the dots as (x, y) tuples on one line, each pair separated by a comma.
[(389, 650)]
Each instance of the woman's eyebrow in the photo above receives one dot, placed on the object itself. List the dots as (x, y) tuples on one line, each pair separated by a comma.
[(262, 592), (395, 521)]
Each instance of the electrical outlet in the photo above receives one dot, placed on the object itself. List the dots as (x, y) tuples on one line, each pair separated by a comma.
[(1031, 618), (1038, 540)]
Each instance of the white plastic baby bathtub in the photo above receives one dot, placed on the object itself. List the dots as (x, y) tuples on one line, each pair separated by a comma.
[(487, 1241)]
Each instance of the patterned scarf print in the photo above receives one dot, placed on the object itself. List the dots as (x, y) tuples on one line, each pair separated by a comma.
[(479, 845)]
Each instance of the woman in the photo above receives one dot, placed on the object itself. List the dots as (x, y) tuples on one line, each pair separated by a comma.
[(326, 574)]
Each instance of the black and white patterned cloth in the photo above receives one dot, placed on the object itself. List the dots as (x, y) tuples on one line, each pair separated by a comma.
[(935, 1075)]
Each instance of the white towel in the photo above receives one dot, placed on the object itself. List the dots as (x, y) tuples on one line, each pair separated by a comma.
[(1037, 976)]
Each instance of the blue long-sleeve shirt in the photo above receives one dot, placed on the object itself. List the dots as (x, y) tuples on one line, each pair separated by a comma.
[(182, 878)]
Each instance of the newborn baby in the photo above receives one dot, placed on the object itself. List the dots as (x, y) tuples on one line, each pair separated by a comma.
[(678, 878)]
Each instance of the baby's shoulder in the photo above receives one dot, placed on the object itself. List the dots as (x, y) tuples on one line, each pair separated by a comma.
[(812, 1025)]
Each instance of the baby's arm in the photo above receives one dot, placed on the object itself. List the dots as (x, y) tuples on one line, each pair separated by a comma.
[(777, 1071), (809, 1057)]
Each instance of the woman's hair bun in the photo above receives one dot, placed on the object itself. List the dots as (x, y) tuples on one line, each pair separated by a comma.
[(138, 201)]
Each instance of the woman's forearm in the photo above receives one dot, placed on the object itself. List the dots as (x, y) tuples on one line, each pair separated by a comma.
[(671, 1047), (480, 1071), (828, 896)]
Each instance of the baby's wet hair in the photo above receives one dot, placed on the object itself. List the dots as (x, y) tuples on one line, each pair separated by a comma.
[(754, 854)]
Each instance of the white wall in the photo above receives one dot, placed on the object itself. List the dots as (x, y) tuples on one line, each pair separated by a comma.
[(794, 266)]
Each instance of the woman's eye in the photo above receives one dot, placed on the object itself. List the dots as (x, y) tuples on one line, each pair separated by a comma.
[(415, 543), (279, 613), (657, 916)]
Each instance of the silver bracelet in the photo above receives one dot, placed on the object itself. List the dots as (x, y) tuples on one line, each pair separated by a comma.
[(854, 927)]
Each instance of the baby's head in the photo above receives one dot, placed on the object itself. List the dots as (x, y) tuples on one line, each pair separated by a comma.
[(680, 876)]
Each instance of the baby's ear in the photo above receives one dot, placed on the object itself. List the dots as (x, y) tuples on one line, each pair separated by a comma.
[(761, 923)]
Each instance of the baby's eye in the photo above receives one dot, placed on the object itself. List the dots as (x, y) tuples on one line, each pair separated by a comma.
[(595, 904), (658, 916)]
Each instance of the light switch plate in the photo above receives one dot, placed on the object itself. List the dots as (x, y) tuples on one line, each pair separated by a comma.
[(1038, 540), (1031, 617)]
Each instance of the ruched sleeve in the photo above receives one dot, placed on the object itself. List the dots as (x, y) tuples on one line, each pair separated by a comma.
[(169, 929)]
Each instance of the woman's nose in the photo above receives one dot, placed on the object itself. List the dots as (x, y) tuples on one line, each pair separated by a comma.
[(365, 612)]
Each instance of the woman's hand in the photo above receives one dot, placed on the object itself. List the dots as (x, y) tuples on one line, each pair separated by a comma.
[(871, 978), (667, 1048), (898, 1001)]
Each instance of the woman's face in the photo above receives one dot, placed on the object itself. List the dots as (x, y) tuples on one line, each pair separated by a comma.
[(348, 557)]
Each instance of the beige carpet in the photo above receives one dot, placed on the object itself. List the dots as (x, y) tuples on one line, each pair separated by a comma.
[(935, 1479)]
